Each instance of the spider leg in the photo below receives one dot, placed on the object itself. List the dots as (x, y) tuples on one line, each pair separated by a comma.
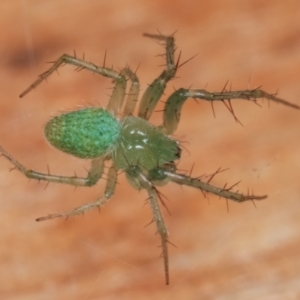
[(118, 94), (207, 187), (136, 174), (132, 97), (108, 193), (157, 87), (94, 173), (175, 102)]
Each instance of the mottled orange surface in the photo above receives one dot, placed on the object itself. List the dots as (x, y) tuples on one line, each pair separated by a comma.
[(248, 253)]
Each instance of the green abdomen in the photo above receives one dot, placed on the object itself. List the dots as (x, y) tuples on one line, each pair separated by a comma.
[(86, 133)]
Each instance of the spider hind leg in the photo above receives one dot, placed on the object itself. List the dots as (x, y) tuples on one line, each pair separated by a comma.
[(108, 193), (94, 173)]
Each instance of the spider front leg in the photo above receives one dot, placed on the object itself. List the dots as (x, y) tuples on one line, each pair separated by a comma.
[(94, 173), (175, 102), (157, 87), (136, 174), (225, 192), (108, 193)]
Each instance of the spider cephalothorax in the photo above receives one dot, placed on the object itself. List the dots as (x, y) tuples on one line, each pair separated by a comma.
[(146, 153)]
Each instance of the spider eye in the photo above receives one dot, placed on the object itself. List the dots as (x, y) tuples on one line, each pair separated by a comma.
[(85, 133)]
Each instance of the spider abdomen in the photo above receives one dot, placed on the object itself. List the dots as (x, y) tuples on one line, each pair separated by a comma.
[(143, 144), (85, 133)]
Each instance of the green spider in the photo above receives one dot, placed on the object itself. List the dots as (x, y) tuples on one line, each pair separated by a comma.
[(147, 154)]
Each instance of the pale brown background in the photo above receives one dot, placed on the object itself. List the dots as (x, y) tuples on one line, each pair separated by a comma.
[(247, 253)]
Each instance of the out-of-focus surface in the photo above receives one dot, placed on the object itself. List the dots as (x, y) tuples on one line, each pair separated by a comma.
[(248, 253)]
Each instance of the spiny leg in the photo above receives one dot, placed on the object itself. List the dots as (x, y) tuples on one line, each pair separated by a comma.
[(132, 97), (118, 94), (175, 102), (109, 191), (145, 183), (94, 173), (157, 87), (224, 192)]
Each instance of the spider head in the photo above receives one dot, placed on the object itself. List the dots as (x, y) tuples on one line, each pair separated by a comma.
[(141, 143)]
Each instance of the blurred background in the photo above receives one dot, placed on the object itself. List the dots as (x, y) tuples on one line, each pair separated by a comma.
[(248, 252)]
